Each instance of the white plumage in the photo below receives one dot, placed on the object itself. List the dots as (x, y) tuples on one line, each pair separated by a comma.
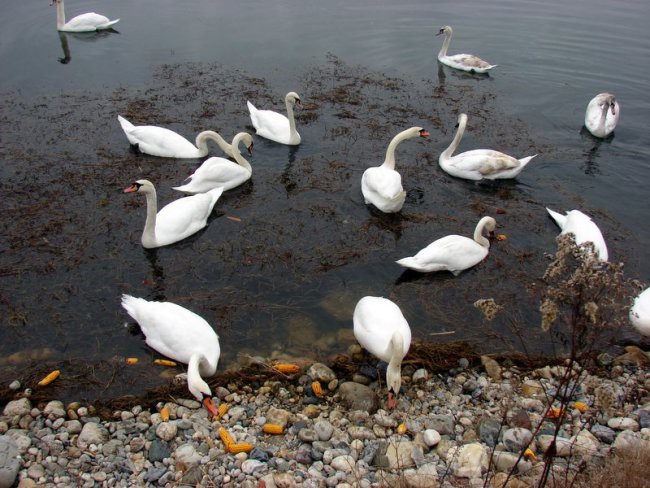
[(274, 126), (602, 115), (463, 62), (583, 228), (88, 22), (640, 312)]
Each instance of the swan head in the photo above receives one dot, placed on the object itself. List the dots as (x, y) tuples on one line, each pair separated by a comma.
[(247, 139), (462, 120), (394, 382), (142, 186), (293, 98), (201, 391), (419, 132), (489, 223), (445, 30), (608, 100)]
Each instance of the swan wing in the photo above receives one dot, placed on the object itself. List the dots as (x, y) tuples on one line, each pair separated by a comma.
[(162, 142), (585, 230), (640, 312), (454, 253), (86, 22), (375, 320), (467, 62), (269, 124), (185, 216), (383, 188), (216, 172), (172, 330)]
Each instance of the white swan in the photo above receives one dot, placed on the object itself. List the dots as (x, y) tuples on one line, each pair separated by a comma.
[(274, 126), (479, 164), (380, 327), (602, 115), (158, 141), (583, 228), (382, 185), (181, 335), (221, 172), (640, 312), (464, 62), (176, 220), (452, 253), (89, 22)]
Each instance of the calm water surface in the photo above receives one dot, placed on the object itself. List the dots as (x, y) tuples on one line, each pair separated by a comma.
[(306, 248)]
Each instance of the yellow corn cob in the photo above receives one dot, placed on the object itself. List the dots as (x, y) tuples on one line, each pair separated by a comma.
[(131, 360), (164, 362), (226, 438), (401, 429), (580, 406), (273, 429), (501, 237), (239, 447), (287, 368), (530, 455), (49, 378), (222, 409), (164, 414), (317, 389)]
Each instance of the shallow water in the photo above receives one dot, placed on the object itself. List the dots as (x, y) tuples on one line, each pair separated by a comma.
[(303, 248)]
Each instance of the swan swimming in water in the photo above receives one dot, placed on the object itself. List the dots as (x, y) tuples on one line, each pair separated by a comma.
[(165, 143), (602, 115), (583, 229), (382, 185), (463, 62), (479, 164), (182, 335), (220, 172), (88, 22), (176, 220), (453, 253), (274, 126), (382, 330), (640, 312)]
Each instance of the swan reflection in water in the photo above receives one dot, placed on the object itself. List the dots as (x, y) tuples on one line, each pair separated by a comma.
[(81, 36), (592, 147)]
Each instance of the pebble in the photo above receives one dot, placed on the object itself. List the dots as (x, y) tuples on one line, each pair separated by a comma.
[(451, 424)]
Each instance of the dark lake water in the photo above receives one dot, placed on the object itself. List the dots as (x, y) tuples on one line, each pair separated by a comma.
[(284, 272)]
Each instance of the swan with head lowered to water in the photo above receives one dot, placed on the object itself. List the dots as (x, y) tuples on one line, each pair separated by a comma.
[(463, 62), (583, 229), (453, 253), (382, 330), (182, 335), (382, 185), (176, 220), (274, 126), (221, 172), (602, 115), (479, 164), (89, 22), (165, 143)]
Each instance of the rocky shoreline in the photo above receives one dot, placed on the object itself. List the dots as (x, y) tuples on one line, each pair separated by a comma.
[(470, 425)]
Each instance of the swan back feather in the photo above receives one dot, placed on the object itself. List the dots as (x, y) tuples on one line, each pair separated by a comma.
[(583, 228)]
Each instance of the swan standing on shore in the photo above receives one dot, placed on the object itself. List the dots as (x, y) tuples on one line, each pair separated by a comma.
[(89, 22), (640, 312), (220, 172), (382, 330), (274, 126), (181, 335), (602, 115), (382, 185), (176, 220), (463, 62), (583, 229), (165, 143), (453, 253), (479, 164)]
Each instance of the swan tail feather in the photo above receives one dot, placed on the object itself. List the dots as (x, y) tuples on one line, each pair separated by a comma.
[(108, 25), (215, 193), (560, 219), (409, 262), (130, 304), (251, 107), (526, 160), (126, 125), (183, 188)]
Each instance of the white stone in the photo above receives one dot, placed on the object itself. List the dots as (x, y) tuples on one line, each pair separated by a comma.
[(431, 437), (92, 433), (251, 466), (623, 423), (469, 461), (22, 406), (343, 463), (187, 455), (166, 430)]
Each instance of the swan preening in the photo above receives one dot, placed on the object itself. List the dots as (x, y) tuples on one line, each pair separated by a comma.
[(583, 229), (602, 115), (479, 164), (220, 172), (640, 312), (382, 330), (88, 22), (274, 126), (181, 335), (453, 253), (158, 141), (176, 220), (382, 185), (464, 62)]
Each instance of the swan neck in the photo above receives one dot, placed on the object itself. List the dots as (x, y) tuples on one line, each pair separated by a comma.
[(290, 116), (202, 142), (478, 234), (236, 153), (193, 368), (389, 162), (60, 14), (149, 232), (447, 153), (396, 352), (445, 46)]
